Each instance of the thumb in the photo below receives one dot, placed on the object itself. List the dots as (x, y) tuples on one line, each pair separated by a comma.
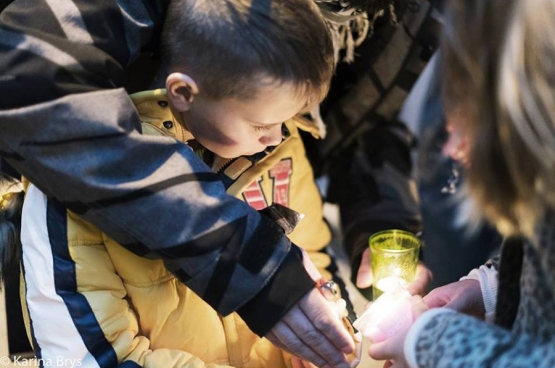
[(456, 304), (417, 306), (364, 274), (436, 299)]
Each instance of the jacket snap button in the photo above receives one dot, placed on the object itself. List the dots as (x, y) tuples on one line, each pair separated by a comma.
[(168, 124), (163, 103)]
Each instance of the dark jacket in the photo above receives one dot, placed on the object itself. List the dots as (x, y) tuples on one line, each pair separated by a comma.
[(67, 125)]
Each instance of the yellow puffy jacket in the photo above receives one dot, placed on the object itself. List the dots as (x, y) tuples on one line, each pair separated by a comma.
[(143, 312)]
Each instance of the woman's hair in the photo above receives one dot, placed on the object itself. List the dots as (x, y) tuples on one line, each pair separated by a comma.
[(11, 202), (499, 59), (229, 47)]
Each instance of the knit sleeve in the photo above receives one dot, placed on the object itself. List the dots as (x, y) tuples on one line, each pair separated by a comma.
[(456, 340)]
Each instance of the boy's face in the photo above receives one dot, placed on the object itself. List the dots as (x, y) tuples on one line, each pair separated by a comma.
[(232, 127)]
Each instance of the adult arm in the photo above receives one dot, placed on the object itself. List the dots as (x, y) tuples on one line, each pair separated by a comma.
[(67, 124), (377, 193), (371, 174)]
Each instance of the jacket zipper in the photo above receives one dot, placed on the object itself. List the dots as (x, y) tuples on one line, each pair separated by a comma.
[(225, 165)]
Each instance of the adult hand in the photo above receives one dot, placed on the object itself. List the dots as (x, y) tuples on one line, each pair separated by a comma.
[(312, 331), (422, 280), (392, 349), (417, 287), (340, 310), (464, 296)]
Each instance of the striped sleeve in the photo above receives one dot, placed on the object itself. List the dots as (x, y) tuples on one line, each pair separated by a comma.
[(67, 125), (77, 303), (52, 48)]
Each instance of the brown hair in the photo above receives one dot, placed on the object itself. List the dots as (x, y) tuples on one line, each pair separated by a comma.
[(500, 75), (229, 45)]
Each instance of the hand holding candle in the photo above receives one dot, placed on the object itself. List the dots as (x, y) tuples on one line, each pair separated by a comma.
[(392, 347), (394, 260), (388, 315)]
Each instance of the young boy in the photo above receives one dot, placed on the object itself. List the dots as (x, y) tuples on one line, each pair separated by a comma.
[(239, 72)]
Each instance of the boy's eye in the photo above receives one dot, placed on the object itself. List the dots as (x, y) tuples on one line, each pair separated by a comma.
[(262, 128)]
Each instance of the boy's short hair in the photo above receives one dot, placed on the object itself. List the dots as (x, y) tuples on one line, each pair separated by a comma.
[(226, 45)]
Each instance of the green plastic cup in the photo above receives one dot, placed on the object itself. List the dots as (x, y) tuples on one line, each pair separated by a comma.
[(393, 258)]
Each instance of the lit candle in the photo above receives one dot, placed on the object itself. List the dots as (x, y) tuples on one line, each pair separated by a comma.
[(391, 283), (393, 259)]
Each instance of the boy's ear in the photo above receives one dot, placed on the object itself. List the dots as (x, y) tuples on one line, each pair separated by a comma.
[(181, 89)]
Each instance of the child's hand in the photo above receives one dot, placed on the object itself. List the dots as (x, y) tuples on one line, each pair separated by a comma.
[(393, 347), (464, 296), (299, 363)]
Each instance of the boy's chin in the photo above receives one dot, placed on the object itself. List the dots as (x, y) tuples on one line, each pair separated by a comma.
[(233, 153), (229, 155)]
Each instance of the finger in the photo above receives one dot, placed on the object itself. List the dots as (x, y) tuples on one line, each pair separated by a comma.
[(316, 348), (436, 299), (396, 364), (299, 363), (417, 306), (305, 336), (456, 304), (364, 274), (296, 362), (381, 350), (308, 364), (289, 341), (422, 280), (300, 335), (388, 364), (320, 313), (275, 340)]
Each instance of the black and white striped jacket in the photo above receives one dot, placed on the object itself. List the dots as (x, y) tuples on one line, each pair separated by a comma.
[(68, 125)]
